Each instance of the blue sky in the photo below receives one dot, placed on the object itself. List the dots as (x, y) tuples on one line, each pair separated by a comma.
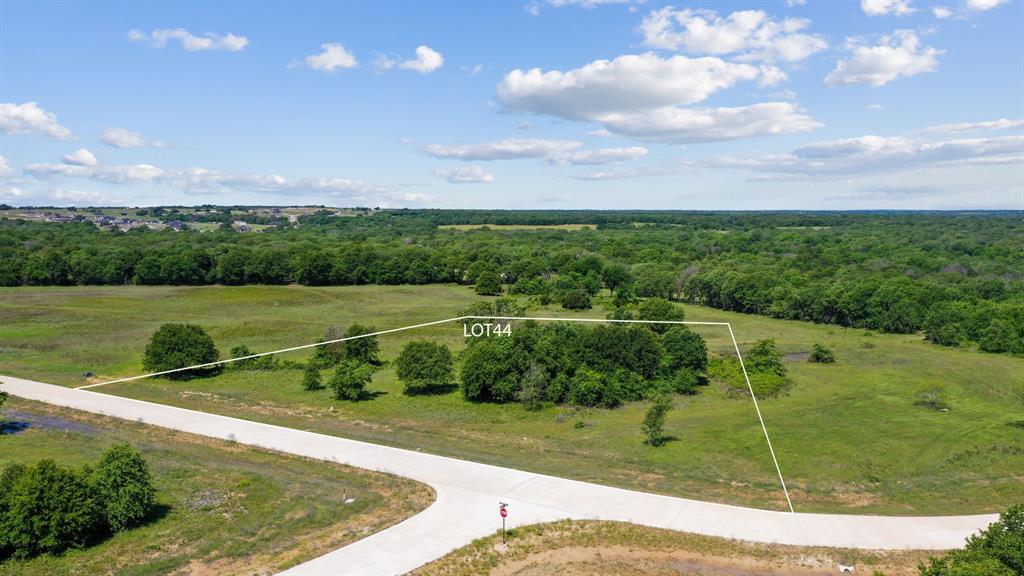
[(756, 105)]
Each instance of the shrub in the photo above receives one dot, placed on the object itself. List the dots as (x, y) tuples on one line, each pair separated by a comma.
[(490, 370), (578, 299), (175, 346), (361, 350), (123, 484), (821, 354), (488, 284), (424, 366), (764, 357), (661, 310), (685, 349), (327, 355), (654, 420), (350, 379), (586, 388), (996, 551), (685, 381), (533, 388), (311, 378)]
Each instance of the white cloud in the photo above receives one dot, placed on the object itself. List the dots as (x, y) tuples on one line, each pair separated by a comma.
[(510, 149), (427, 60), (589, 3), (121, 174), (29, 118), (792, 3), (75, 197), (751, 34), (627, 82), (884, 7), (599, 156), (80, 157), (898, 55), (876, 107), (712, 124), (941, 12), (472, 70), (871, 153), (642, 96), (5, 168), (1000, 124), (332, 56), (465, 175), (532, 8), (383, 63), (46, 171), (122, 138), (599, 133), (189, 41), (982, 5)]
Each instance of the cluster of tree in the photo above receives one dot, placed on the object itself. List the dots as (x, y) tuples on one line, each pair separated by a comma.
[(996, 551), (47, 508), (765, 368), (602, 365), (354, 356), (956, 276)]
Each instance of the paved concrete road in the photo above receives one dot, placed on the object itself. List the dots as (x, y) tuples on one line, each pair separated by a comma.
[(468, 494)]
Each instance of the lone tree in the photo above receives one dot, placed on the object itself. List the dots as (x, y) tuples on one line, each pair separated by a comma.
[(311, 378), (350, 379), (123, 486), (362, 350), (821, 354), (654, 420), (425, 366), (488, 284), (176, 346), (578, 299)]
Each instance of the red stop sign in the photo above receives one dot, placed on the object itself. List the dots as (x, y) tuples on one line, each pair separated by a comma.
[(503, 512)]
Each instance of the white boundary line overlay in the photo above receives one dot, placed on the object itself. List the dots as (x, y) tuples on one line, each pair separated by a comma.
[(732, 336)]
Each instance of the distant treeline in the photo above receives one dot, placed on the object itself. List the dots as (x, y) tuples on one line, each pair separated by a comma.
[(959, 277)]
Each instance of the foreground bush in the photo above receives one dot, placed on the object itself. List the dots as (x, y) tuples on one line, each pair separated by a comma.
[(424, 366), (996, 551), (47, 508), (175, 346)]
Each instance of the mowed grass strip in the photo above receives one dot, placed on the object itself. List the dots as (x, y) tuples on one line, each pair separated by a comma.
[(616, 549), (223, 508), (850, 437)]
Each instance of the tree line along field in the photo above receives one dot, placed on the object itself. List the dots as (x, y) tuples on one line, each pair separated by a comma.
[(895, 425), (956, 277), (220, 507)]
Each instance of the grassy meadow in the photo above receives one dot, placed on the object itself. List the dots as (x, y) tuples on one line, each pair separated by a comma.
[(222, 508), (867, 434)]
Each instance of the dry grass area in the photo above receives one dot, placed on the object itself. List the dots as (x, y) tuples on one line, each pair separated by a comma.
[(578, 548)]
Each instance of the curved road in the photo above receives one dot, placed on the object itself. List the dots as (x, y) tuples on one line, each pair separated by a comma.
[(468, 494)]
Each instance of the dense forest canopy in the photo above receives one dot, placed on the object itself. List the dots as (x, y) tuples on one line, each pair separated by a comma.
[(958, 277)]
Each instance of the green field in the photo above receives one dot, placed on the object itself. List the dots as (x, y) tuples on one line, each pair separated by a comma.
[(568, 227), (222, 508), (849, 436)]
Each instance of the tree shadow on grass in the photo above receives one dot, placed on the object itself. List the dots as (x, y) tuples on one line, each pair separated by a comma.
[(370, 395), (13, 427), (664, 441), (432, 390)]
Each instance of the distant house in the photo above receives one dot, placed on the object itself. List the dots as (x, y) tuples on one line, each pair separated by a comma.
[(241, 225), (176, 225)]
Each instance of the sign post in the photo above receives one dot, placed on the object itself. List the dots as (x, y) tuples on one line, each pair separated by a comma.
[(502, 509)]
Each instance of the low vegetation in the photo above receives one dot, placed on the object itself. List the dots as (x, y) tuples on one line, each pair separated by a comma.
[(996, 551), (216, 507)]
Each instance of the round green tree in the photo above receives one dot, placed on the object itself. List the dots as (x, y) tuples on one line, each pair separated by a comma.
[(175, 346), (424, 366), (488, 284), (350, 379), (124, 486), (686, 349)]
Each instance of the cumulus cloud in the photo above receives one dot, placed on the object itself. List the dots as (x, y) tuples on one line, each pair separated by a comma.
[(29, 118), (865, 154), (599, 156), (122, 138), (642, 96), (190, 42), (80, 157), (941, 12), (632, 81), (46, 171), (884, 7), (959, 127), (982, 5), (686, 125), (332, 56), (510, 149), (465, 175), (750, 34), (899, 55), (427, 60)]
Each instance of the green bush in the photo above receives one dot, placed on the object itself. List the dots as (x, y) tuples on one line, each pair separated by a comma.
[(175, 346), (424, 366), (659, 309), (685, 349), (350, 379), (578, 299), (654, 420), (587, 388), (311, 378), (996, 551), (821, 354), (124, 486), (361, 348), (488, 284)]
